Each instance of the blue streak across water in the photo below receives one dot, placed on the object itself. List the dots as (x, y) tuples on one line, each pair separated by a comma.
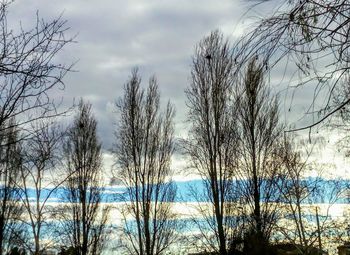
[(187, 191)]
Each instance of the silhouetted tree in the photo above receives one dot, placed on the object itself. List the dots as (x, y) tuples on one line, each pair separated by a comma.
[(212, 141), (85, 217), (39, 179), (309, 37), (10, 195), (259, 144), (144, 146), (28, 74), (305, 220), (28, 71)]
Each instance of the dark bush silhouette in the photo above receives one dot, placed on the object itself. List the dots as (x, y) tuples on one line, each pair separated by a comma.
[(68, 251), (16, 251)]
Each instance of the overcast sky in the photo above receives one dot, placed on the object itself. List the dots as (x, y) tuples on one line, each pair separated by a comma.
[(113, 36), (158, 36)]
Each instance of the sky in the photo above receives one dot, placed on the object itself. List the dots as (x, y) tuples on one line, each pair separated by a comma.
[(157, 36), (112, 37)]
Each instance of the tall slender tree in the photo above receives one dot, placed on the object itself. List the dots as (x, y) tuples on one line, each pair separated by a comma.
[(211, 145), (10, 206), (86, 218), (39, 180), (259, 143), (143, 153)]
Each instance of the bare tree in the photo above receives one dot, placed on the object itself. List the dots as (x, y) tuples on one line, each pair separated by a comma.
[(28, 71), (143, 151), (85, 217), (10, 206), (39, 180), (311, 37), (295, 190), (259, 143), (307, 200), (28, 75), (212, 141)]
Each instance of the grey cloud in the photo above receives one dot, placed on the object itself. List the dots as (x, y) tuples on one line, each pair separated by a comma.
[(114, 36)]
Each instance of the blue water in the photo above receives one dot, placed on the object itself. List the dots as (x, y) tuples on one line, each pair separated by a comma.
[(323, 191)]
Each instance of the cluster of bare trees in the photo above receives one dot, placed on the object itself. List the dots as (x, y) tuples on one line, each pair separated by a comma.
[(253, 177), (39, 160), (232, 143), (236, 142), (309, 38), (53, 162), (28, 74), (37, 157), (252, 174), (250, 170)]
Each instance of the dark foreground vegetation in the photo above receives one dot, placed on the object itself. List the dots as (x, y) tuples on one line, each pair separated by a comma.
[(252, 166)]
